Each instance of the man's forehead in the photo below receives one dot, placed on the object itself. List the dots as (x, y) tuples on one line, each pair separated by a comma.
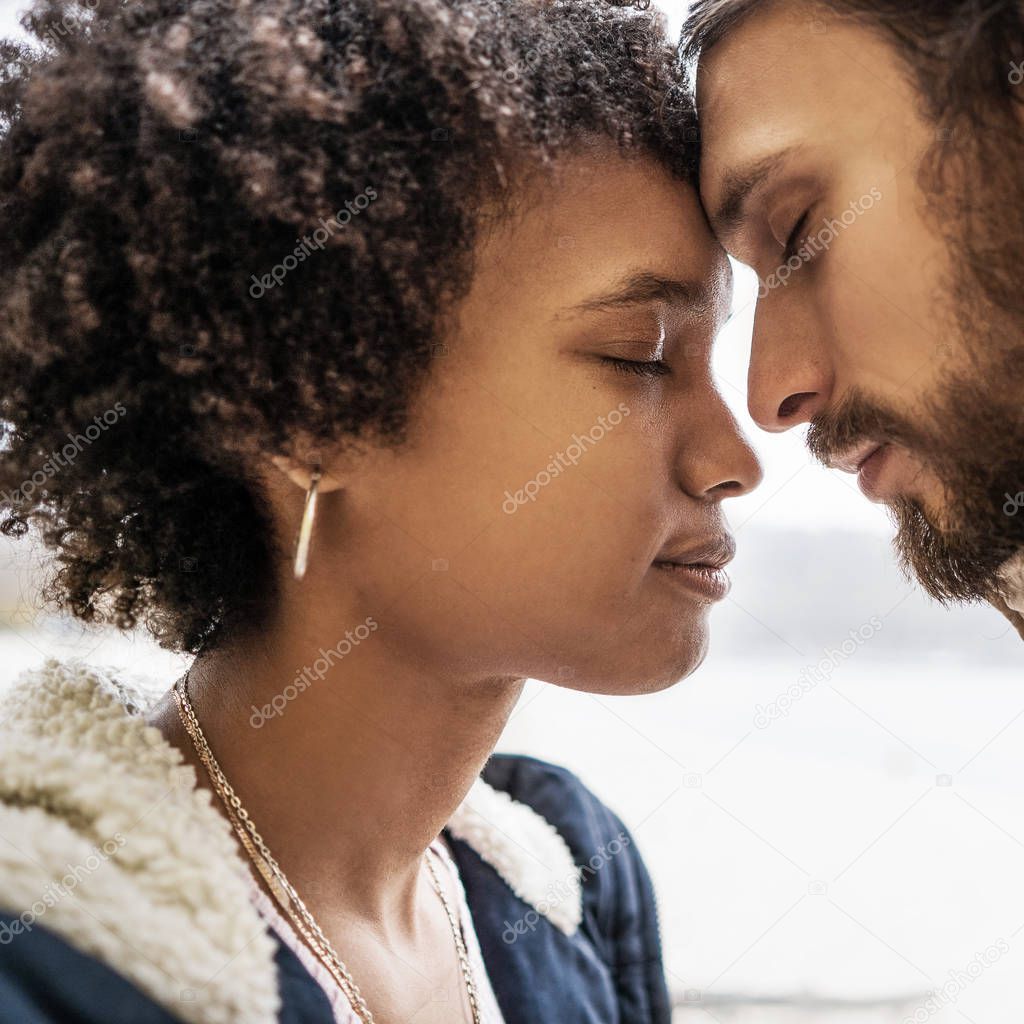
[(794, 60)]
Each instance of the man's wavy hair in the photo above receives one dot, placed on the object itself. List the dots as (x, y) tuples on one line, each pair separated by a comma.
[(165, 162)]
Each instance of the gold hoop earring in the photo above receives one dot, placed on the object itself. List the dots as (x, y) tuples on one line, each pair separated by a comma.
[(305, 537)]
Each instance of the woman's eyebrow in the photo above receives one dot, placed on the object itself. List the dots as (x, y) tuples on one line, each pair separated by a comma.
[(738, 186), (645, 288)]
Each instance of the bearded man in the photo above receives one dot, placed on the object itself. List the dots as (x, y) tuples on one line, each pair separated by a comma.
[(866, 158)]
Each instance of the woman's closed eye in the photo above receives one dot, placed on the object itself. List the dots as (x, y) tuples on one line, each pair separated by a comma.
[(640, 367)]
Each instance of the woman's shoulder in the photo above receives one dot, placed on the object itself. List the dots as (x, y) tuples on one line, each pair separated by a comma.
[(543, 781), (117, 854), (588, 825), (615, 887), (44, 979)]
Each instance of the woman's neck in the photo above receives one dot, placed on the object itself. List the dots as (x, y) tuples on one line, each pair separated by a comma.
[(349, 764)]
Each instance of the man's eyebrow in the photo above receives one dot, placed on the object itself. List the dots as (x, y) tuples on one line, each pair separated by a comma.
[(738, 186), (643, 289)]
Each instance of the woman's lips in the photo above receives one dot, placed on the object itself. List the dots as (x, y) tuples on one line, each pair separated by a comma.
[(700, 566), (707, 581)]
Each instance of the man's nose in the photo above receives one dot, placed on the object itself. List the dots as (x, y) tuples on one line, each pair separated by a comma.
[(790, 379)]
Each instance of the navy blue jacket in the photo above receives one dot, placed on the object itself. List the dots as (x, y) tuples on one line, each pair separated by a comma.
[(608, 972)]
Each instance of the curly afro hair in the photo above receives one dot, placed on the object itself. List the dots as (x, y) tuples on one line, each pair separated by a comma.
[(232, 224)]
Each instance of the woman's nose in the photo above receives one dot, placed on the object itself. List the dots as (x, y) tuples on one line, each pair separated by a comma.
[(722, 463)]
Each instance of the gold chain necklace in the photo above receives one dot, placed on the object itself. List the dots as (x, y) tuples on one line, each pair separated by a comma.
[(283, 891)]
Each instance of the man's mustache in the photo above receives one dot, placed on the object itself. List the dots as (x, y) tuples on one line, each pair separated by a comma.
[(851, 422)]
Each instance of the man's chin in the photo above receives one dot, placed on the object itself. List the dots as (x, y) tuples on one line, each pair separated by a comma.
[(951, 565)]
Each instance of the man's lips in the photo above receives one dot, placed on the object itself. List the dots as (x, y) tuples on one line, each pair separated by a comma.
[(851, 460), (867, 460), (869, 480)]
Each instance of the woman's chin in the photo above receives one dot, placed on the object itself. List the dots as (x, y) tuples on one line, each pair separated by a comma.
[(658, 667)]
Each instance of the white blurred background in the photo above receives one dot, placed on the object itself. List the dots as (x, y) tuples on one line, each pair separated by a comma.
[(835, 864)]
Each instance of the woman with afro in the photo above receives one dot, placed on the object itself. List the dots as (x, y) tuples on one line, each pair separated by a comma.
[(360, 350)]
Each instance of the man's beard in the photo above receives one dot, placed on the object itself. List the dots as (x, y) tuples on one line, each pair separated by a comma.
[(971, 437)]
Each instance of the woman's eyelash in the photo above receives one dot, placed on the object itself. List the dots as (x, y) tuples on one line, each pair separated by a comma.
[(790, 248), (642, 368)]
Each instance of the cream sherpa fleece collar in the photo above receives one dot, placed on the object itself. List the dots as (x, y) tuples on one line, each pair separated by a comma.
[(109, 843)]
